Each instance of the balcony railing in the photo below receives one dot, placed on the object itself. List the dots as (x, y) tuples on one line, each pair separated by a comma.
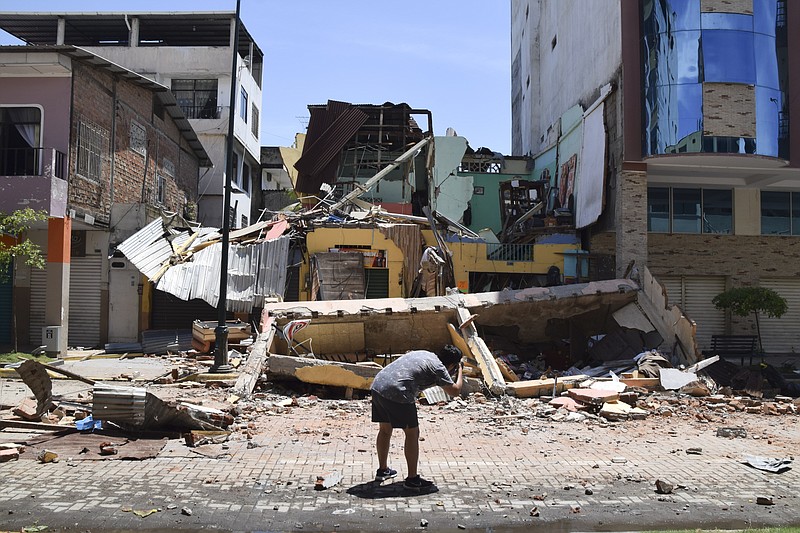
[(509, 252), (203, 111), (33, 162)]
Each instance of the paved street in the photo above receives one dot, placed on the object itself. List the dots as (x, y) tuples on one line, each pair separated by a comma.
[(496, 463)]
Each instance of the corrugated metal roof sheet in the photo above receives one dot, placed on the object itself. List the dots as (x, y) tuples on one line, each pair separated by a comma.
[(255, 271)]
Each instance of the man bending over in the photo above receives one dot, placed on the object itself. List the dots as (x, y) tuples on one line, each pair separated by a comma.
[(394, 397)]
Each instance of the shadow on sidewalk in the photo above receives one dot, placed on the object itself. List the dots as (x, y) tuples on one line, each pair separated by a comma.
[(374, 490)]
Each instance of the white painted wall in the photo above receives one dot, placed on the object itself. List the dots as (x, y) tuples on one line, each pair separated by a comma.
[(586, 56)]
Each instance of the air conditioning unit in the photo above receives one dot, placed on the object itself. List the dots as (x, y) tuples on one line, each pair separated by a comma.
[(51, 339)]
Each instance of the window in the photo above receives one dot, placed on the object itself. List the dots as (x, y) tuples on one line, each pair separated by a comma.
[(247, 177), (780, 213), (138, 140), (254, 122), (91, 142), (161, 189), (244, 221), (20, 149), (683, 210), (243, 105), (196, 98)]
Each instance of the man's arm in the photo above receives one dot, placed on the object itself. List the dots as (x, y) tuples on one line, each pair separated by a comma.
[(455, 388)]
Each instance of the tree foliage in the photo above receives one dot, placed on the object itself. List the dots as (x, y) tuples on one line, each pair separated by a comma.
[(12, 228), (744, 301)]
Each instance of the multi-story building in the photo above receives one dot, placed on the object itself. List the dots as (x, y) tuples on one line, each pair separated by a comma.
[(665, 126), (102, 150), (192, 53)]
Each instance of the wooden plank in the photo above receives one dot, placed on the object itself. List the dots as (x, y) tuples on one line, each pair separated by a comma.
[(492, 375), (543, 387), (647, 383), (68, 374), (256, 361), (459, 342), (34, 425), (506, 371)]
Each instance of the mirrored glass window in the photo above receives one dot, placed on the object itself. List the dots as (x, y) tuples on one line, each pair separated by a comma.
[(728, 57), (766, 61), (727, 21), (765, 16)]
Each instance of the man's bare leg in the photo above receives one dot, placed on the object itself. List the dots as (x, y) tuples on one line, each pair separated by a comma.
[(382, 444), (411, 450)]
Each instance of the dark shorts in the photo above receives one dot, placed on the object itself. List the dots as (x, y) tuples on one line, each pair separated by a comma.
[(399, 415)]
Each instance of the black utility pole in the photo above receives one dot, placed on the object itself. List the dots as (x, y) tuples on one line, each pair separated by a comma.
[(221, 331)]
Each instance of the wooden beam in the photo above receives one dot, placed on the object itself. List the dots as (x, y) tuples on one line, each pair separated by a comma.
[(256, 361), (543, 387), (492, 375), (35, 425)]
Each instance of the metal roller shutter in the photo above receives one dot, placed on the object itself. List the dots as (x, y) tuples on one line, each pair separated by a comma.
[(782, 335), (6, 318), (377, 282), (85, 274), (170, 312), (694, 295), (38, 302)]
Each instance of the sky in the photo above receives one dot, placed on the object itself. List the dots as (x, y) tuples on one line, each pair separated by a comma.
[(451, 57)]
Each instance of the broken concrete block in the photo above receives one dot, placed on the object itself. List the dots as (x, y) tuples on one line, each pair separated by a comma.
[(732, 433), (8, 454), (621, 411), (593, 396), (567, 403), (662, 487), (695, 388), (27, 410), (47, 456), (327, 480)]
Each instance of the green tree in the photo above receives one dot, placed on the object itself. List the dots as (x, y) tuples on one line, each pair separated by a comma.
[(13, 244), (746, 301)]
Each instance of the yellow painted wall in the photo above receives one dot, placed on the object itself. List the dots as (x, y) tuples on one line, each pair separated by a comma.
[(471, 257), (322, 239), (467, 257)]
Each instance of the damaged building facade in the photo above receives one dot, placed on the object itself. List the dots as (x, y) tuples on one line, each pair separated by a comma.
[(671, 132), (190, 53), (102, 150)]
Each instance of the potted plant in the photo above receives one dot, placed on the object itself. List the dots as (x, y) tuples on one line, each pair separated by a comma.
[(746, 301)]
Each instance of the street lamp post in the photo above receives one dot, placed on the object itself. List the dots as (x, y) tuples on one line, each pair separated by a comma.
[(221, 364)]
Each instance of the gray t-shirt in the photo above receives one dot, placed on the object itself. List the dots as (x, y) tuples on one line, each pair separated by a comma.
[(401, 380)]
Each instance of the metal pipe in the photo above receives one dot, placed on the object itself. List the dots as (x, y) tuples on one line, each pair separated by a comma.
[(221, 364)]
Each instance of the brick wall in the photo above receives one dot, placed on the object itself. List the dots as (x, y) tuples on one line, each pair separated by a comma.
[(132, 175), (744, 7), (631, 219), (729, 110), (744, 259)]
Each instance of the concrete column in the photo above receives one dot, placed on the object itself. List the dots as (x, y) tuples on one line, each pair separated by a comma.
[(62, 25), (56, 313), (133, 41), (631, 217)]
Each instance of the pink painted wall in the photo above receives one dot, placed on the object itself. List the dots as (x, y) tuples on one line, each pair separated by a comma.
[(53, 94)]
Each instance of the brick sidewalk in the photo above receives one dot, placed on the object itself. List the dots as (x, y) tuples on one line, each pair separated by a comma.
[(491, 470)]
